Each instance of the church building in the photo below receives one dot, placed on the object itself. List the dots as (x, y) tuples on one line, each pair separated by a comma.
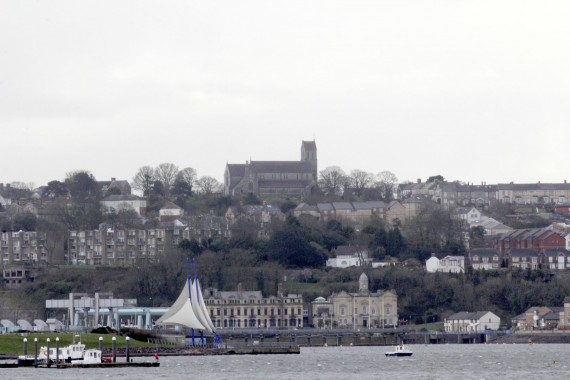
[(274, 178)]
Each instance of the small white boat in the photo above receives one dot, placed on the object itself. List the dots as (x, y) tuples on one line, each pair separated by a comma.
[(400, 350)]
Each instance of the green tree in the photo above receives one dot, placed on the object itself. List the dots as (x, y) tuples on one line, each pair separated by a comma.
[(291, 248), (82, 185), (394, 243), (55, 189), (191, 245), (260, 281), (435, 178), (252, 199), (288, 205), (25, 222), (477, 237)]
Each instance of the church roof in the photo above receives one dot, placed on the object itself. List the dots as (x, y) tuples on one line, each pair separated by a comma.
[(282, 166), (236, 170)]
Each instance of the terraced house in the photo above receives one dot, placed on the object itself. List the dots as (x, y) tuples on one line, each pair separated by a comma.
[(450, 195)]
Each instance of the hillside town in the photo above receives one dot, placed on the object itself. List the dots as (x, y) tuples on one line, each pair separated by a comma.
[(371, 223)]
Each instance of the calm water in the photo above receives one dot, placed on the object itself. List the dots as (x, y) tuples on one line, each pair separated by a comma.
[(505, 361)]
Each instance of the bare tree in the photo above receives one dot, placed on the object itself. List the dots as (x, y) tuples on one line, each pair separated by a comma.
[(166, 173), (359, 180), (188, 175), (144, 179), (333, 180), (386, 182), (52, 239), (208, 185)]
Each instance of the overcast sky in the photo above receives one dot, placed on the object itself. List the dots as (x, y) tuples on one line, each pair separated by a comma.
[(472, 90)]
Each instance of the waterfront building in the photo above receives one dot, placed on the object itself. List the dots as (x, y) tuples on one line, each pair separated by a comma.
[(363, 309), (250, 309), (477, 321)]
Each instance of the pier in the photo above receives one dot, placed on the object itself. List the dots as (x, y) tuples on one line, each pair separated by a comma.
[(350, 337)]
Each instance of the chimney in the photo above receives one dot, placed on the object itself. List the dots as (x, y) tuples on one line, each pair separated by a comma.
[(113, 179), (419, 180), (239, 288), (280, 290)]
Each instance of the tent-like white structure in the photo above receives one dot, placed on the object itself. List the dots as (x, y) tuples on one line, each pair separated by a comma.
[(189, 309)]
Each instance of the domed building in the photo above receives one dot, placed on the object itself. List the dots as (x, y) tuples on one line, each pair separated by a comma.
[(364, 309)]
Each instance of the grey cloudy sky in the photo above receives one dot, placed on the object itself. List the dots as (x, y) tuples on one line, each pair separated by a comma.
[(472, 90)]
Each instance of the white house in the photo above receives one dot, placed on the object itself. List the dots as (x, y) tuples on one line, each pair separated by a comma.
[(349, 256), (448, 264), (469, 215), (170, 212), (478, 321), (452, 264), (116, 203), (432, 264)]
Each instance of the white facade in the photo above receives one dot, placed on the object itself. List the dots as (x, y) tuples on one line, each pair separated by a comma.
[(452, 264), (170, 209), (432, 264), (116, 203), (472, 216), (472, 322), (345, 261), (448, 264)]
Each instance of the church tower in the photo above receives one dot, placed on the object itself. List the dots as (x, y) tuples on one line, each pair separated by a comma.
[(309, 154)]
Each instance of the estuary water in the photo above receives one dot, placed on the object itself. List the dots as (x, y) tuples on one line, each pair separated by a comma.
[(455, 361)]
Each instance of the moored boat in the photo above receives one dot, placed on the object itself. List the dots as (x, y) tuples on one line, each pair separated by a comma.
[(74, 353)]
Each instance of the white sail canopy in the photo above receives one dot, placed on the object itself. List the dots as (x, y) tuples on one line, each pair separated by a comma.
[(182, 312), (203, 305), (200, 307)]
